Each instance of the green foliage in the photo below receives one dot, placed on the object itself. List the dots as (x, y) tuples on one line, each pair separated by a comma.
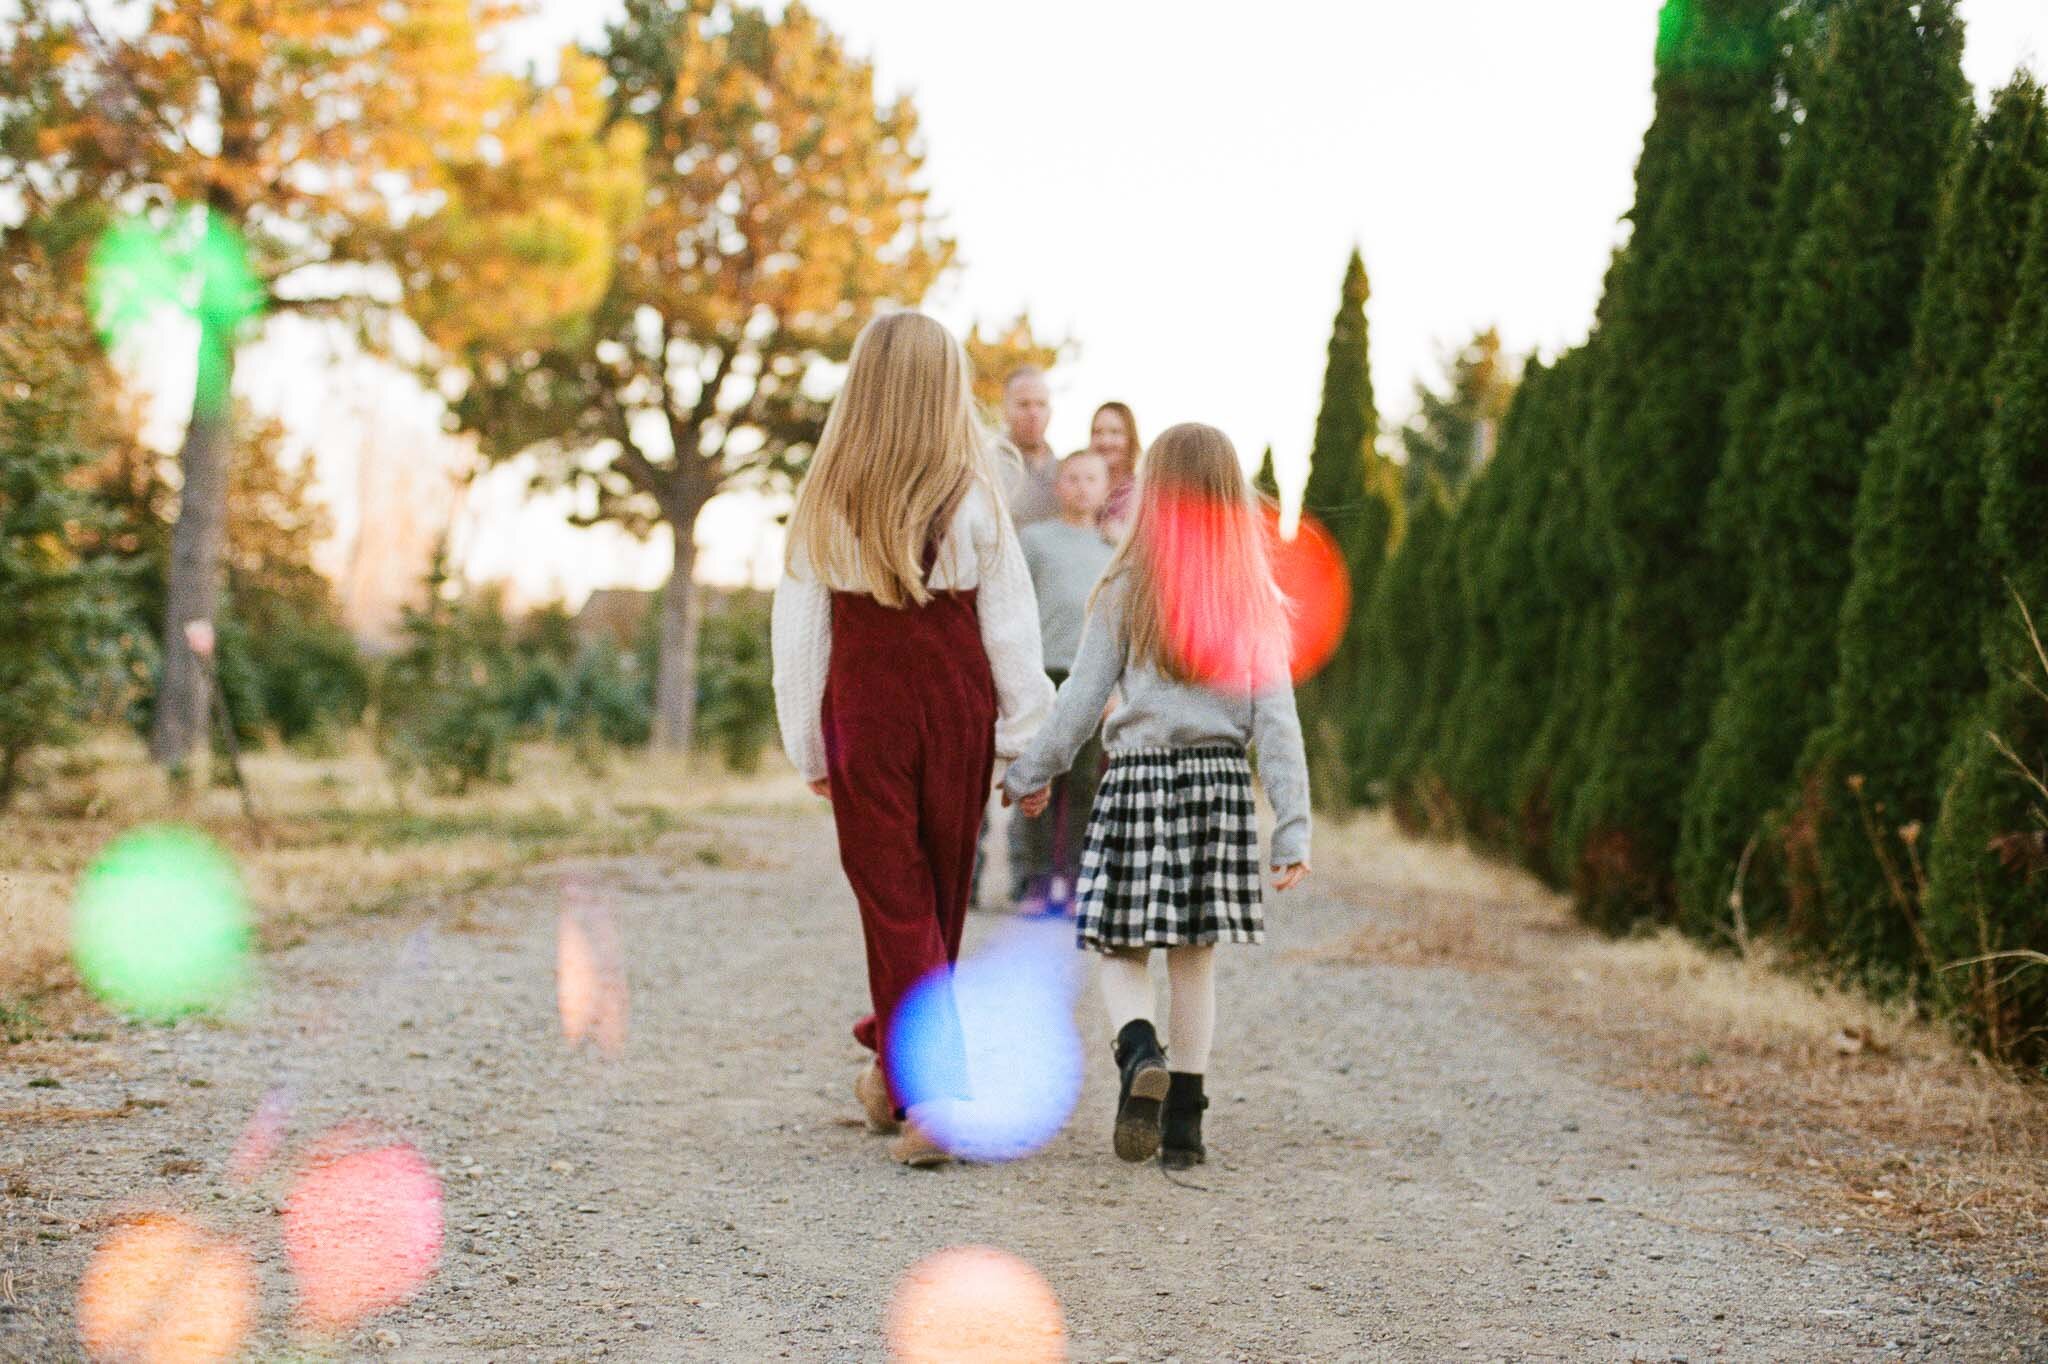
[(1267, 482), (55, 596), (1501, 691), (1415, 778), (1674, 320), (1353, 491), (735, 682), (1989, 860), (442, 699), (1446, 439), (1912, 627), (1565, 648), (1397, 638), (1886, 107)]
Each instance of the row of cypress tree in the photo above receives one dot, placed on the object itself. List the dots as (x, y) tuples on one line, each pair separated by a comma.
[(1734, 631)]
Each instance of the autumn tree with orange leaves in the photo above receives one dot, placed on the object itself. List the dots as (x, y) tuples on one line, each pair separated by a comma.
[(784, 205), (334, 139)]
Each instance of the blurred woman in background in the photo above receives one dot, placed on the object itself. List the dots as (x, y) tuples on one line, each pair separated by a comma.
[(1114, 435)]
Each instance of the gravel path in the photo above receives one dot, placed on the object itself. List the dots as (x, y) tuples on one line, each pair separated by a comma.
[(1400, 1170)]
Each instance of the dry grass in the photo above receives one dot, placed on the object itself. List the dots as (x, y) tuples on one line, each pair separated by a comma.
[(331, 839), (1895, 1121)]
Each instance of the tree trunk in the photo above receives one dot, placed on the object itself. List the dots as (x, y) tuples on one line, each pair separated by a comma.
[(675, 686), (198, 542)]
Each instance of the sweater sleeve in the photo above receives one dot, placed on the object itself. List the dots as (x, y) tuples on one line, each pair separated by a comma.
[(1008, 608), (1098, 665), (1283, 771), (800, 632)]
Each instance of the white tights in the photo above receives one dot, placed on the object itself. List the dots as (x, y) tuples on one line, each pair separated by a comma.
[(1191, 987)]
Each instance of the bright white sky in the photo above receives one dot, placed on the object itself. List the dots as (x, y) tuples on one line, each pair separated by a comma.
[(1177, 185)]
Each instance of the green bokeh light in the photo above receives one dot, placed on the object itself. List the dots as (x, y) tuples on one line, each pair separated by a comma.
[(1703, 35), (161, 927), (195, 265)]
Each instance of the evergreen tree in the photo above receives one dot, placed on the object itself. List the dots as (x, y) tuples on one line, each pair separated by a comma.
[(1562, 646), (1989, 859), (54, 599), (1267, 483), (1396, 630), (1499, 704), (1911, 643), (1675, 312), (1731, 520), (1353, 491), (1415, 778), (1448, 438), (1887, 105)]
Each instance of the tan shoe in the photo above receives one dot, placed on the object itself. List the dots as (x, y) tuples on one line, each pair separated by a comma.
[(916, 1149), (873, 1092)]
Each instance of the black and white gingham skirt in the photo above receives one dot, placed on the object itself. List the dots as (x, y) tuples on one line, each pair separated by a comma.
[(1172, 854)]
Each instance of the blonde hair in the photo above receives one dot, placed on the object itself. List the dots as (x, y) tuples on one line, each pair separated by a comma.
[(1201, 604), (900, 452)]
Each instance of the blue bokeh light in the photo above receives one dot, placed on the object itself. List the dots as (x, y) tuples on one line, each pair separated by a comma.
[(1008, 1013)]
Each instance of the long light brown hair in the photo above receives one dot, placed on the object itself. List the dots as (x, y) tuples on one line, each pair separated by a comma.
[(1201, 604), (1130, 420), (900, 451)]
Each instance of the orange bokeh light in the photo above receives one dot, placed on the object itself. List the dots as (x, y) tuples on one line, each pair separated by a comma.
[(1310, 571), (590, 975), (362, 1229), (162, 1291), (975, 1305)]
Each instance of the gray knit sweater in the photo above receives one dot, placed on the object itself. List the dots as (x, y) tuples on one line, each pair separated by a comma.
[(1158, 712)]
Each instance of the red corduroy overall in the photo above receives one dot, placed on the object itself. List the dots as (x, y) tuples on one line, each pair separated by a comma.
[(909, 721)]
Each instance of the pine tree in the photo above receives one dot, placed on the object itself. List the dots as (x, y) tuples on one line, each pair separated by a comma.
[(1396, 632), (54, 599), (1911, 643), (1703, 198), (1887, 106), (1267, 482), (1989, 860), (1353, 491), (1499, 703), (1562, 647), (1415, 776)]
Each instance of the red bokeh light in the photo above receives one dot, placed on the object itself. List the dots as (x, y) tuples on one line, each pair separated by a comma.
[(1312, 576), (1211, 628), (362, 1229)]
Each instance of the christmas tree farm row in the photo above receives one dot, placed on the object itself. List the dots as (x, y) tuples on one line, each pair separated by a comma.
[(1736, 629)]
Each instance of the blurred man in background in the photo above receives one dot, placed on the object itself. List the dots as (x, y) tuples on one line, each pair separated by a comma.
[(1032, 468)]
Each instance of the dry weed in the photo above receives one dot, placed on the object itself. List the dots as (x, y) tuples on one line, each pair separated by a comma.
[(332, 838), (1901, 1124)]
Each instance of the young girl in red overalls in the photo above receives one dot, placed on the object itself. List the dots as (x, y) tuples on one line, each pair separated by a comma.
[(907, 662)]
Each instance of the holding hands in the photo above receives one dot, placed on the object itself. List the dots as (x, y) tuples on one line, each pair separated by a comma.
[(1032, 805)]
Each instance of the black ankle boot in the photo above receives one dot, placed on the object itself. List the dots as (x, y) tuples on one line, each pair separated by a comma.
[(1144, 1086), (1180, 1143)]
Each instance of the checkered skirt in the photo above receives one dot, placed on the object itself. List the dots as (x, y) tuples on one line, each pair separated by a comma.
[(1172, 853)]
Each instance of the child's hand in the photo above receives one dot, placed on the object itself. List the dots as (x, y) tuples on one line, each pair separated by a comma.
[(1034, 804), (822, 787), (1288, 877)]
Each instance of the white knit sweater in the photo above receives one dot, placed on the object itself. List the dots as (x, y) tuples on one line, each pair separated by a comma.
[(980, 551)]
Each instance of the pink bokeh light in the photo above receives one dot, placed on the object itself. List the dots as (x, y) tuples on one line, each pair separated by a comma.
[(362, 1228)]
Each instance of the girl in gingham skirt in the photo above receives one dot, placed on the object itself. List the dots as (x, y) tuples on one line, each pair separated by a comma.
[(1188, 627)]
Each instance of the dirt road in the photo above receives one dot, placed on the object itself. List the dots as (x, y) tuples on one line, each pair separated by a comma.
[(1402, 1170)]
